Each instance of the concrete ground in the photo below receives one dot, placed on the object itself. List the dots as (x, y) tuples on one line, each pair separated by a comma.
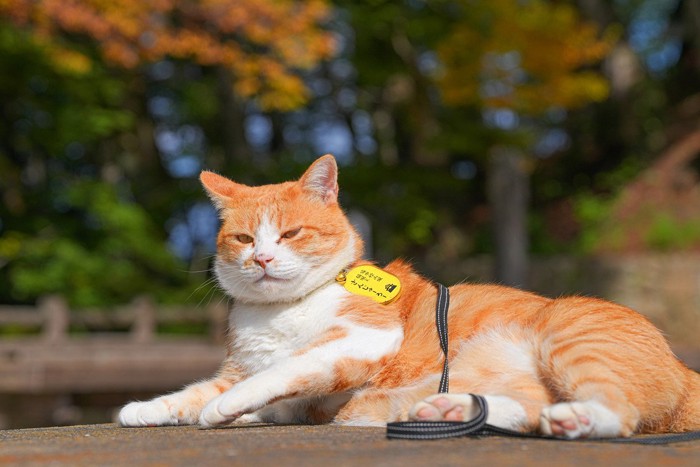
[(258, 446)]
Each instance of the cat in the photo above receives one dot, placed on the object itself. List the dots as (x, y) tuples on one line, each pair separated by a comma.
[(303, 349)]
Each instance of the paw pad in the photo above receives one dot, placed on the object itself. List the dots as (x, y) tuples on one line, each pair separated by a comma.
[(567, 420), (439, 407)]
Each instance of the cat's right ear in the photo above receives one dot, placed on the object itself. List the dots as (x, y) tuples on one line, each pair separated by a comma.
[(321, 179), (220, 189)]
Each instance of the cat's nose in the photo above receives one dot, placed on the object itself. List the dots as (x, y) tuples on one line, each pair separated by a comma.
[(263, 259)]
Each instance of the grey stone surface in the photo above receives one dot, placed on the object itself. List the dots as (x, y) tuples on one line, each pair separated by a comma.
[(96, 445)]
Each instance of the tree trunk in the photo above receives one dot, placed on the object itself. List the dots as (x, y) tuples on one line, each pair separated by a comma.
[(235, 146), (509, 193)]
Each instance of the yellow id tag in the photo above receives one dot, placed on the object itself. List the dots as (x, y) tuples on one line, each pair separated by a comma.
[(371, 281)]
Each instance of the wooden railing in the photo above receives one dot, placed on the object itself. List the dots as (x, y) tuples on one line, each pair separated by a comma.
[(117, 350), (54, 321)]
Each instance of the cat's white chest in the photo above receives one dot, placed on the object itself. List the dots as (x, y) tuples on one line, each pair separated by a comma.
[(268, 334)]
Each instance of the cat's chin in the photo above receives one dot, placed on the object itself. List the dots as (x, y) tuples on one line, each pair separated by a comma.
[(267, 279), (268, 291)]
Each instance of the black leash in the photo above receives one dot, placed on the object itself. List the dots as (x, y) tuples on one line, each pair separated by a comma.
[(477, 427), (443, 305)]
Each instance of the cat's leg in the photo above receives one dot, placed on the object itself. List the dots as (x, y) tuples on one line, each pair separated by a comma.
[(182, 407), (512, 411), (179, 408), (500, 365), (346, 361), (594, 405), (602, 362), (377, 406)]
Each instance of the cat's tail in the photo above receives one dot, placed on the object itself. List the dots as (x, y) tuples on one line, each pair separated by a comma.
[(688, 411)]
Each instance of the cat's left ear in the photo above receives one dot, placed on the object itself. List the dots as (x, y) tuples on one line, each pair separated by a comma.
[(321, 179), (220, 189)]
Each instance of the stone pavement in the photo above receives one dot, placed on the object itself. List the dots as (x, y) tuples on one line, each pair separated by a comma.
[(258, 446)]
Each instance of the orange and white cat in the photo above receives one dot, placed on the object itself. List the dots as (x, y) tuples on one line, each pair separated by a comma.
[(302, 349)]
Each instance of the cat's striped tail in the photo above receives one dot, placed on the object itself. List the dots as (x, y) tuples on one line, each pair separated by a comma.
[(688, 411)]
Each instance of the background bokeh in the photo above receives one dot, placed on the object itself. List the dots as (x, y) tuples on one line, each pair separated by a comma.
[(462, 127)]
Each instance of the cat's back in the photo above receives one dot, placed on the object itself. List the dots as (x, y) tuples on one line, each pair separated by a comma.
[(557, 323), (474, 306)]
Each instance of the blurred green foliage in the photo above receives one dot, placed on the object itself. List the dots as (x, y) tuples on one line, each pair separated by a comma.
[(52, 107), (668, 233), (103, 250), (64, 228), (412, 204)]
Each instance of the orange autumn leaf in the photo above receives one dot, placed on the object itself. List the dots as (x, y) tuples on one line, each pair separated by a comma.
[(530, 57), (265, 43)]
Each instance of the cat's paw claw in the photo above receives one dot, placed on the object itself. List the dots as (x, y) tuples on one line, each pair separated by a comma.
[(210, 416), (217, 413), (439, 407), (567, 420), (151, 413)]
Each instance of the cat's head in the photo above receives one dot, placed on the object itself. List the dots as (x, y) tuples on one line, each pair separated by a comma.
[(277, 243)]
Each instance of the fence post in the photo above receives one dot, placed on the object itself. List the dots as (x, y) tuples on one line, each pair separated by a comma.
[(145, 326), (56, 315)]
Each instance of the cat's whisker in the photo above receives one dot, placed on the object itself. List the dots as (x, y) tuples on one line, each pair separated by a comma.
[(206, 283), (211, 293)]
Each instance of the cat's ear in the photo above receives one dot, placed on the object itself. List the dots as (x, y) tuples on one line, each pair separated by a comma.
[(220, 189), (321, 180)]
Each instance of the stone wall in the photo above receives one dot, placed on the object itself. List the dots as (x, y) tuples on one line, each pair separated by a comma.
[(664, 287)]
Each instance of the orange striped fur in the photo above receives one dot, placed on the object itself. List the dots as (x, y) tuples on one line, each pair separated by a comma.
[(303, 349)]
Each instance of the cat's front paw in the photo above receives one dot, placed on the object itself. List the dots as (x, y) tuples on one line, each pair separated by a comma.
[(214, 414), (226, 408), (152, 413)]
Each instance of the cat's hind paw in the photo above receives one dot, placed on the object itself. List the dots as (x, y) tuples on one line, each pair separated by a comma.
[(152, 413), (579, 420), (449, 407)]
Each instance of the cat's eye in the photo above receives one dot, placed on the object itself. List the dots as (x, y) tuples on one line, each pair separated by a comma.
[(243, 238), (291, 233)]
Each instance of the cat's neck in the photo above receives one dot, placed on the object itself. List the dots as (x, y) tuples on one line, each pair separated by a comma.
[(292, 300)]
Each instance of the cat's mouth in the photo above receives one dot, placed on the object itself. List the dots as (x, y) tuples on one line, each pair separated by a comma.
[(266, 278)]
